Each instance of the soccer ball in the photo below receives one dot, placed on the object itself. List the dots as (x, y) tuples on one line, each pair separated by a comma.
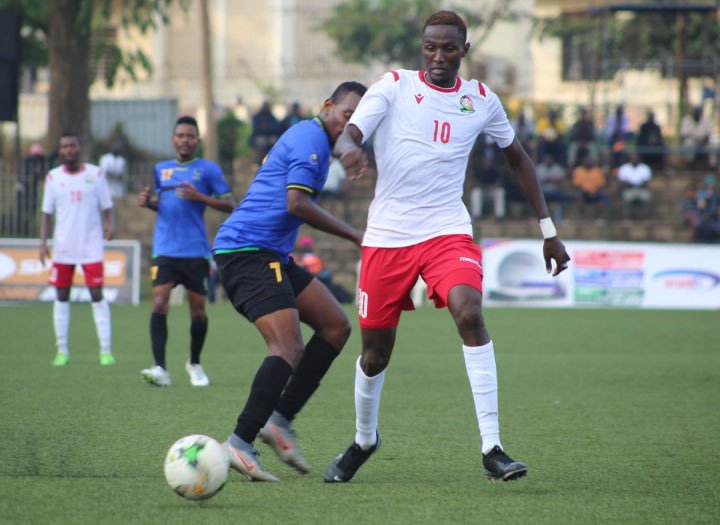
[(196, 467)]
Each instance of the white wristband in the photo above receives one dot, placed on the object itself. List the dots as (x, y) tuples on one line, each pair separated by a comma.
[(547, 228)]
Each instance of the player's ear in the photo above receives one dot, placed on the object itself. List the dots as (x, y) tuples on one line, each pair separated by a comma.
[(466, 48)]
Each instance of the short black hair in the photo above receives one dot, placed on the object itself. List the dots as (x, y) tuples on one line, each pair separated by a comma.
[(447, 18), (187, 119), (345, 88), (69, 134)]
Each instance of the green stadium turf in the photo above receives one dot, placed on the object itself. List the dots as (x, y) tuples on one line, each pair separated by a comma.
[(615, 412)]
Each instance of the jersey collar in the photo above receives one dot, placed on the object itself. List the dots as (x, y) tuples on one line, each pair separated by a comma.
[(322, 127), (187, 161), (453, 89)]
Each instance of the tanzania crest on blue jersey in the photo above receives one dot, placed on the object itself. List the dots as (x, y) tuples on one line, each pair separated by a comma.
[(466, 105), (314, 159)]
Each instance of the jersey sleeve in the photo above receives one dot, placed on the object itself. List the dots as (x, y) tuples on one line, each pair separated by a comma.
[(306, 159), (498, 126), (104, 192), (48, 201), (156, 176), (375, 103), (218, 185)]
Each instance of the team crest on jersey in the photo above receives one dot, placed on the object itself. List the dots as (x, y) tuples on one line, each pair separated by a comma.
[(314, 159), (89, 179), (466, 105), (197, 174)]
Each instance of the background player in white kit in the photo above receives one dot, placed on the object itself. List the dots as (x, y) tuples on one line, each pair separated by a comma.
[(77, 195), (425, 124)]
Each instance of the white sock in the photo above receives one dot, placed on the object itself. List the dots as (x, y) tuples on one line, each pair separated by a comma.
[(480, 366), (61, 322), (367, 405), (101, 315)]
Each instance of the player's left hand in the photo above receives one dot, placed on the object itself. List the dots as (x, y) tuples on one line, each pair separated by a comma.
[(108, 232), (554, 250), (189, 191)]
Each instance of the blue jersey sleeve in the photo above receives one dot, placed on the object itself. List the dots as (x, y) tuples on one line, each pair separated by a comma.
[(156, 176), (308, 162), (218, 185)]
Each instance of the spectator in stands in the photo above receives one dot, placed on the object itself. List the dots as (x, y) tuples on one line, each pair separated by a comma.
[(634, 177), (551, 131), (313, 263), (582, 139), (707, 203), (617, 135), (651, 144), (295, 115), (689, 208), (589, 180), (266, 129), (525, 132), (551, 176), (487, 179), (695, 131), (336, 182), (115, 167)]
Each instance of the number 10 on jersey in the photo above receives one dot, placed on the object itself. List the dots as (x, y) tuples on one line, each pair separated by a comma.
[(442, 131)]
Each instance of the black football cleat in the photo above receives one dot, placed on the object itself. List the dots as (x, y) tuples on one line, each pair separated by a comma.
[(501, 467), (344, 467)]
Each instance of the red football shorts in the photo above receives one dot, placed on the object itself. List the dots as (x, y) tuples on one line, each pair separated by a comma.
[(388, 275), (61, 275)]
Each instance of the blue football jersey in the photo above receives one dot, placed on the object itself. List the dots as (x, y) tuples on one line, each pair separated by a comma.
[(180, 229), (299, 160)]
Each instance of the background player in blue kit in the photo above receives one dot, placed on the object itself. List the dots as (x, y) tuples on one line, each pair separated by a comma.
[(185, 186), (252, 251)]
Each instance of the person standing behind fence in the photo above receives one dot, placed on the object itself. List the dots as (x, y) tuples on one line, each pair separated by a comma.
[(115, 167), (77, 195), (185, 186), (266, 129)]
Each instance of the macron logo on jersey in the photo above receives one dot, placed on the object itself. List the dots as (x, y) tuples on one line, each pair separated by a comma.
[(419, 97)]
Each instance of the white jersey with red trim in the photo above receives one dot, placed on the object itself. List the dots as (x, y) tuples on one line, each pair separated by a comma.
[(77, 200), (423, 138)]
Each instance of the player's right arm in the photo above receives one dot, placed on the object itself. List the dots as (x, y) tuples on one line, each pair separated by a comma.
[(370, 112), (45, 227), (348, 148), (301, 205), (48, 208), (145, 200)]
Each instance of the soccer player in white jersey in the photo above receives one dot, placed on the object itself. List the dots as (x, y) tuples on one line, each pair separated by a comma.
[(77, 195), (425, 124)]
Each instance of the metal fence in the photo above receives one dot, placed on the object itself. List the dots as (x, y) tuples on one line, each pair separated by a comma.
[(21, 192)]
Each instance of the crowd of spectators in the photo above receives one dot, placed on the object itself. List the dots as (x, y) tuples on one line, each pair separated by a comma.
[(601, 170)]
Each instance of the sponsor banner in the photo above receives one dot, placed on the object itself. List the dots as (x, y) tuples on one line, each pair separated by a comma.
[(603, 274), (23, 278)]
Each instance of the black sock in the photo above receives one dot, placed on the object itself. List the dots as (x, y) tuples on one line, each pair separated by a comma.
[(315, 363), (265, 392), (158, 337), (198, 330)]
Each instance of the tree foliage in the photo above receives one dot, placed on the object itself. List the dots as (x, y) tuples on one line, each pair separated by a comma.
[(641, 39), (389, 30), (96, 18)]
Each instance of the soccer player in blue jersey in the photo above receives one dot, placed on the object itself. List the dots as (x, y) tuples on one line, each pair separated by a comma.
[(185, 186), (252, 251)]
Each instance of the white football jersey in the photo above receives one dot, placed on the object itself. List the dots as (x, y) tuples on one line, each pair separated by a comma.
[(77, 200), (423, 135)]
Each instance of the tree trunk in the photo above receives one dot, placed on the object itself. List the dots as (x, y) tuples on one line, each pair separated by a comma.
[(210, 141), (69, 62)]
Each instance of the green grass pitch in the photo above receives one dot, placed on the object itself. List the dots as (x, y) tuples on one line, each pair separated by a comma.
[(616, 413)]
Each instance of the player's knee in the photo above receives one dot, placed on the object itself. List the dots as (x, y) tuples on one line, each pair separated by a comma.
[(374, 361), (337, 334), (469, 318)]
